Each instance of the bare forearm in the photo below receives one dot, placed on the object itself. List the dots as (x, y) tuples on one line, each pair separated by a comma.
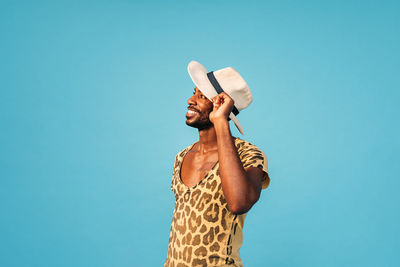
[(238, 190)]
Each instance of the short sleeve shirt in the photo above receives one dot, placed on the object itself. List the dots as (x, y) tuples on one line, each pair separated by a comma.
[(203, 230)]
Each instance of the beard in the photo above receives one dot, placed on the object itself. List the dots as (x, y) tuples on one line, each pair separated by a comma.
[(201, 122)]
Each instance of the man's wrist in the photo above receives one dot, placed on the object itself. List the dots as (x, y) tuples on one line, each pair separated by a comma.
[(221, 127), (220, 122)]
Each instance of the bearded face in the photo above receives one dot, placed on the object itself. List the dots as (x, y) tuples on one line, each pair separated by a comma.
[(199, 110)]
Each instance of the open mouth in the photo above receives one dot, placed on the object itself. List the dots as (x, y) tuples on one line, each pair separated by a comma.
[(191, 113)]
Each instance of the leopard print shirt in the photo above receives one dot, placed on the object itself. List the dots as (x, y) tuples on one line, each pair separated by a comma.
[(203, 230)]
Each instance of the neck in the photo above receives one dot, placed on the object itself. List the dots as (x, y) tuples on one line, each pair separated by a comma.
[(208, 140)]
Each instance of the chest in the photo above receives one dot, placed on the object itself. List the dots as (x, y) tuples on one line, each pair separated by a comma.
[(195, 167)]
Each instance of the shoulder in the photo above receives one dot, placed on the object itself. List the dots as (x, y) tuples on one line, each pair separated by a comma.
[(181, 153), (245, 147)]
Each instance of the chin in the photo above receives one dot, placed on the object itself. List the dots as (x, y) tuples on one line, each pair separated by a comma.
[(199, 125), (191, 124)]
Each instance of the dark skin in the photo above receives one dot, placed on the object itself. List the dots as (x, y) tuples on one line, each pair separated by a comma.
[(241, 187)]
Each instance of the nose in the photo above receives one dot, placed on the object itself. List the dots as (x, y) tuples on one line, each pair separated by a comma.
[(191, 100)]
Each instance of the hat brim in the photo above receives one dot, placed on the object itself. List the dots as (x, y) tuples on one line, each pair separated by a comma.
[(198, 74)]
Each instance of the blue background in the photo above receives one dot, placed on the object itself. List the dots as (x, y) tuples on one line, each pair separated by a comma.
[(92, 109)]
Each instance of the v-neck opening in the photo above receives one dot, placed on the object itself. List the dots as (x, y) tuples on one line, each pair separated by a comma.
[(180, 168), (205, 176)]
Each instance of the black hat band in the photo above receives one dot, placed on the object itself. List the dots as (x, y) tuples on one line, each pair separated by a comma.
[(219, 89)]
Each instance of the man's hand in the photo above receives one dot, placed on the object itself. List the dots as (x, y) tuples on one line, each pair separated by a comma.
[(223, 105)]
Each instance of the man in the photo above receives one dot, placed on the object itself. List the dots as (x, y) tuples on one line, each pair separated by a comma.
[(216, 180)]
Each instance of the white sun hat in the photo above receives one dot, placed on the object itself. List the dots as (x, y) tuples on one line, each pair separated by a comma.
[(226, 80)]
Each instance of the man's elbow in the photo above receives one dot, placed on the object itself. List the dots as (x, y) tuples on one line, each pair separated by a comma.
[(239, 211), (241, 208)]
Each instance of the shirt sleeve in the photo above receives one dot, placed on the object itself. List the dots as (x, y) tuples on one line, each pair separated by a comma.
[(252, 156)]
